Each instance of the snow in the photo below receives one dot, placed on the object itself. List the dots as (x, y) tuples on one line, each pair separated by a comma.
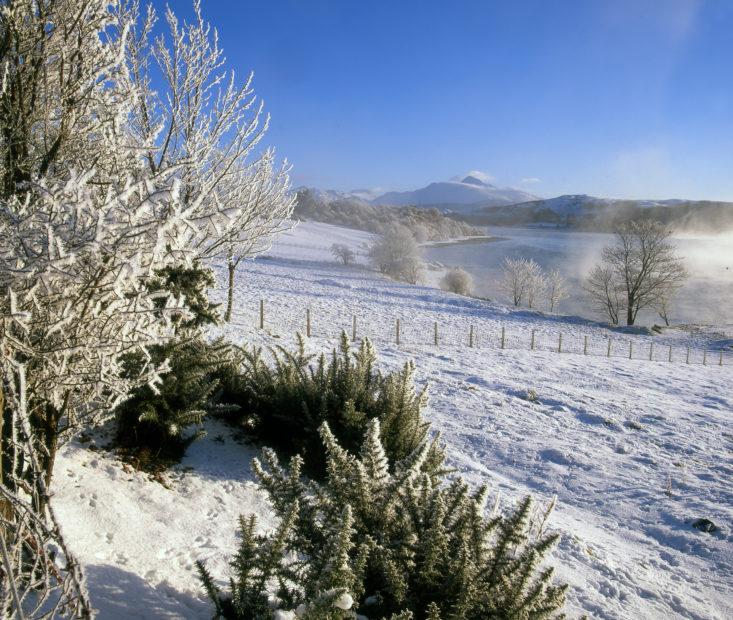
[(634, 450)]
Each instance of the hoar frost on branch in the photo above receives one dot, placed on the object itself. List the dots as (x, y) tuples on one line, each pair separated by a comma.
[(76, 263), (205, 127), (107, 181)]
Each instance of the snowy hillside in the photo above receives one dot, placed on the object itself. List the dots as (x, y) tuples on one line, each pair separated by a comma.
[(634, 450), (466, 194)]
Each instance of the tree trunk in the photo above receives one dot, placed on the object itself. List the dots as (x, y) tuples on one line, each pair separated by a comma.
[(51, 442), (630, 315), (6, 509), (230, 295)]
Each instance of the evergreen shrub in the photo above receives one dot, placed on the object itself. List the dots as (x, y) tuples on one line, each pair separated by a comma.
[(154, 424), (284, 403), (385, 540)]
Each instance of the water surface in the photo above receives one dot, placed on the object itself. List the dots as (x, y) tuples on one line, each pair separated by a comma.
[(707, 296)]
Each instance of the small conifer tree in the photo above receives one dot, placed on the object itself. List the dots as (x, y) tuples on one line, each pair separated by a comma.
[(190, 285), (386, 540), (154, 422)]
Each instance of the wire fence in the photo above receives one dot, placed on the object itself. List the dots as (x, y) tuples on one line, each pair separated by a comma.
[(429, 329)]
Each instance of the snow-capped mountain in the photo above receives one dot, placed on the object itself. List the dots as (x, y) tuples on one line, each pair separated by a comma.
[(462, 195)]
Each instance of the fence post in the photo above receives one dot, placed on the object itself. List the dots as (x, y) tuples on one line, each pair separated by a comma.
[(503, 337), (720, 363), (436, 333), (651, 351), (585, 345), (705, 357), (531, 344), (670, 353), (631, 349), (610, 340), (397, 333), (470, 336), (353, 329), (559, 344), (688, 356), (262, 314), (308, 322)]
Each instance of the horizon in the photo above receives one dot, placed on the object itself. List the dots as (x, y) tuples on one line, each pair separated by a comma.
[(614, 99)]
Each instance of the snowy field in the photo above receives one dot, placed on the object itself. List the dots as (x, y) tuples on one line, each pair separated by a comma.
[(634, 450)]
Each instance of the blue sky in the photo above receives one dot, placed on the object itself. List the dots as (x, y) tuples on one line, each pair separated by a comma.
[(618, 98)]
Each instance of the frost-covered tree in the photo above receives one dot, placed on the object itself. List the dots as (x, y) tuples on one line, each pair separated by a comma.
[(397, 255), (102, 190), (56, 115), (663, 306), (639, 269), (75, 262), (513, 283), (343, 253), (457, 280), (605, 292), (557, 288), (385, 540), (202, 125), (536, 283), (523, 281)]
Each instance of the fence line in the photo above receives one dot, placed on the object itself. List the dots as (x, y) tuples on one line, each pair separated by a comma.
[(330, 323)]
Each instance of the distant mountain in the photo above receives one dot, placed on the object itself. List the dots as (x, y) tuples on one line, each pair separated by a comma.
[(579, 211), (459, 196), (327, 196)]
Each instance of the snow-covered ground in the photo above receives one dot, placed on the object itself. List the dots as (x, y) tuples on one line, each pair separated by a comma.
[(634, 450)]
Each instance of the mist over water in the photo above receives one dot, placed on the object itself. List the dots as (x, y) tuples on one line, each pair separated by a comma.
[(707, 296)]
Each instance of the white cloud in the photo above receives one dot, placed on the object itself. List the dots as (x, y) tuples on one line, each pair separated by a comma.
[(480, 175), (531, 181)]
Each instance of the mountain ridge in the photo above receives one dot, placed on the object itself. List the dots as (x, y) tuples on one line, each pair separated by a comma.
[(456, 195)]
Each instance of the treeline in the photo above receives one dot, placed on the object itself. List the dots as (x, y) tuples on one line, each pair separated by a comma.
[(588, 214), (424, 224)]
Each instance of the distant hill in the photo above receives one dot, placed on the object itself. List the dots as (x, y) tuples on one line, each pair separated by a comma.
[(479, 203), (345, 209), (584, 212), (458, 196), (327, 196)]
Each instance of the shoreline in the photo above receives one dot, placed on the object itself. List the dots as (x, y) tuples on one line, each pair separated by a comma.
[(464, 241)]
